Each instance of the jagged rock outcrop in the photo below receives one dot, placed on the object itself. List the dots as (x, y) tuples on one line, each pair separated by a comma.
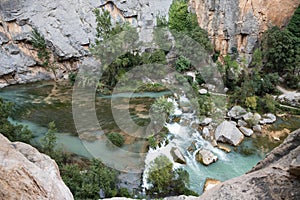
[(237, 24), (272, 178), (26, 173), (69, 27)]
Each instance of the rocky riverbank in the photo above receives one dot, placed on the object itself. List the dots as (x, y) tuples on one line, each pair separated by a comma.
[(275, 177)]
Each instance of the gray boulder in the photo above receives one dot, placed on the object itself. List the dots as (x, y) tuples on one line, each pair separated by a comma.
[(228, 133), (236, 112), (242, 123), (177, 156), (268, 119), (206, 121), (257, 128), (206, 157), (246, 131)]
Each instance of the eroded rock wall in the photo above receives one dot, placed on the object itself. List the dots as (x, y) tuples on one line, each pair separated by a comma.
[(28, 174), (68, 26), (239, 24)]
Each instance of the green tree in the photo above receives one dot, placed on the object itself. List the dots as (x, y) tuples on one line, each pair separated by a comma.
[(294, 24), (183, 64), (86, 183), (281, 51), (165, 181), (12, 132), (116, 138), (48, 142), (182, 21)]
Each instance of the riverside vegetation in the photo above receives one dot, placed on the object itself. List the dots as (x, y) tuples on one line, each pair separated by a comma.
[(276, 57)]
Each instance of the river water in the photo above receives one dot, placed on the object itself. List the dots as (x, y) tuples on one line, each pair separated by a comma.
[(40, 103)]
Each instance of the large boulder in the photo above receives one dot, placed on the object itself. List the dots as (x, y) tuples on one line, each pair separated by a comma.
[(236, 112), (26, 173), (268, 119), (177, 155), (206, 157), (227, 132)]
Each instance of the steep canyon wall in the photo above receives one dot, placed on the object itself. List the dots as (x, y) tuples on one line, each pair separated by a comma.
[(233, 24)]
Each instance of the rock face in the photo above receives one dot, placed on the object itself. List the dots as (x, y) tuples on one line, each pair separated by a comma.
[(272, 178), (227, 132), (238, 24), (69, 27), (27, 174)]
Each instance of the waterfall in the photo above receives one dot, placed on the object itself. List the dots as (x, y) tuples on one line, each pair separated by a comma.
[(181, 135)]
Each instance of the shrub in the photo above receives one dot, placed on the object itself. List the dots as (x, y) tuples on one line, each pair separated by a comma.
[(152, 141), (85, 183), (116, 138), (165, 181), (182, 64), (12, 132), (251, 103)]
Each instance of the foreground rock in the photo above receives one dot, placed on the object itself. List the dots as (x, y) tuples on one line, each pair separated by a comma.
[(26, 173), (272, 178), (210, 183), (177, 156), (295, 166), (206, 157), (227, 132)]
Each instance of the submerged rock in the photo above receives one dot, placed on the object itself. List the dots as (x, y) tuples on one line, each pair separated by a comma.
[(210, 183), (177, 156), (228, 133), (224, 147), (206, 157)]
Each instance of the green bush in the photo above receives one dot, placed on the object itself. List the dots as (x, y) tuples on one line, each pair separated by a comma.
[(165, 181), (182, 64), (12, 132), (116, 138), (85, 183), (251, 102), (152, 141)]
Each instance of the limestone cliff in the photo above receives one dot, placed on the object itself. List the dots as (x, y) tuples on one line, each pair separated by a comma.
[(68, 26), (240, 23), (26, 173)]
